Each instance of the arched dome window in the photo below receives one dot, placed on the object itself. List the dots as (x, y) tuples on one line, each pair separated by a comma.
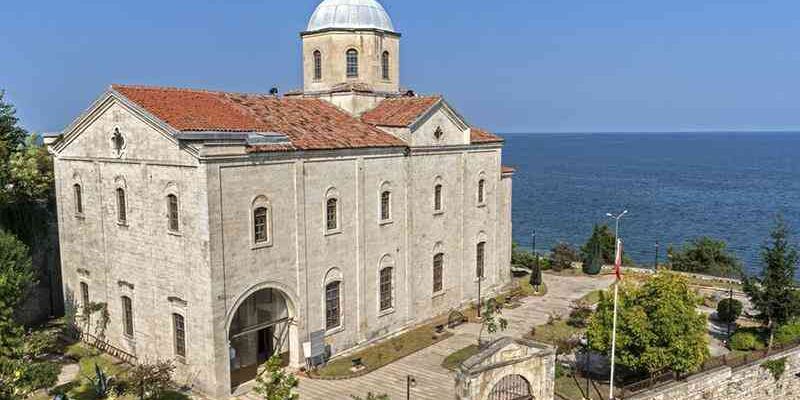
[(352, 63), (317, 65), (385, 66)]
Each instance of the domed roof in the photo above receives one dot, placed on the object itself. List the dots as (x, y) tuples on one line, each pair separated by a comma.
[(350, 14)]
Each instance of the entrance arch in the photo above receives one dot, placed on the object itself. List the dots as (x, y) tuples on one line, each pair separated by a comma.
[(262, 325), (512, 387)]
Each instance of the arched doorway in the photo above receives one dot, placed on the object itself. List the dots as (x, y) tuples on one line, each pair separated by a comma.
[(511, 387), (262, 326)]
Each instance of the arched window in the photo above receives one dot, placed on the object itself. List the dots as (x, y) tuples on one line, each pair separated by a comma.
[(122, 214), (317, 65), (127, 315), (260, 225), (352, 63), (333, 317), (172, 213), (437, 197), (179, 327), (84, 294), (438, 273), (481, 191), (386, 277), (332, 214), (385, 66), (76, 190), (480, 259), (386, 205)]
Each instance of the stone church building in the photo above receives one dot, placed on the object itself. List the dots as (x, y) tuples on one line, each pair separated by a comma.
[(222, 228)]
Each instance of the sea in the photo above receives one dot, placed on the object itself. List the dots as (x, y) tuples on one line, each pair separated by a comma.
[(675, 187)]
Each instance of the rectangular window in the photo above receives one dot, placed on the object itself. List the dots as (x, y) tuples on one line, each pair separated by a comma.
[(172, 213), (386, 289), (331, 214), (127, 315), (352, 63), (78, 199), (260, 225), (481, 191), (332, 313), (180, 335), (84, 294), (122, 212), (438, 273), (317, 65), (386, 198), (437, 198), (479, 262)]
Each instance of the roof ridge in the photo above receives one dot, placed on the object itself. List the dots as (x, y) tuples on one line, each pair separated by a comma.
[(114, 86)]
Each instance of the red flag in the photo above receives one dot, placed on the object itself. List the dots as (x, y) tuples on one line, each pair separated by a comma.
[(618, 260)]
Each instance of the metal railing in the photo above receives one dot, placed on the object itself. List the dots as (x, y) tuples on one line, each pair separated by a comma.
[(107, 347), (731, 361)]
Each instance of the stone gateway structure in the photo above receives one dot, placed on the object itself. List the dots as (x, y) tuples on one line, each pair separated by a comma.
[(221, 229), (508, 369)]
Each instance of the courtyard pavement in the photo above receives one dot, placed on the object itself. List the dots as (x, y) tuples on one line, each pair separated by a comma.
[(435, 382)]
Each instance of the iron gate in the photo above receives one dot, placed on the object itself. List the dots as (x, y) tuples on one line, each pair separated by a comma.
[(512, 387)]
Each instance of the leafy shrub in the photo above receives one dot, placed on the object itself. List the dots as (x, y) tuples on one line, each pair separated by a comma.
[(788, 333), (775, 367), (150, 380), (746, 341), (729, 310), (562, 256), (42, 374), (579, 317)]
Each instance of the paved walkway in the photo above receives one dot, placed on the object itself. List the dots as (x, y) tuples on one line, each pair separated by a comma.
[(435, 382)]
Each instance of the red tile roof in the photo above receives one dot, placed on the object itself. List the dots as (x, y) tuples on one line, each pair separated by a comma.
[(399, 112), (310, 124), (508, 170), (481, 136)]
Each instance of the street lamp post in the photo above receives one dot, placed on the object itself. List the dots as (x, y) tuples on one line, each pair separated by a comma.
[(658, 246), (410, 382), (616, 295)]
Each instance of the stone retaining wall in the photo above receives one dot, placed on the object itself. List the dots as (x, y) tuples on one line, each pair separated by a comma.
[(748, 382)]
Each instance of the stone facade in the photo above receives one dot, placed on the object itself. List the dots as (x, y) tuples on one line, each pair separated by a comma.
[(521, 368), (206, 272), (749, 382)]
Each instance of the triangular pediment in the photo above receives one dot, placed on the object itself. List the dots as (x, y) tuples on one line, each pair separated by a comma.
[(116, 128)]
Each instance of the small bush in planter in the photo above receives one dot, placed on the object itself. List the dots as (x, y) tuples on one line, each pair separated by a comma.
[(729, 310), (745, 341)]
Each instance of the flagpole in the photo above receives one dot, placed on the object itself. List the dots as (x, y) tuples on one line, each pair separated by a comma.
[(613, 339), (617, 265)]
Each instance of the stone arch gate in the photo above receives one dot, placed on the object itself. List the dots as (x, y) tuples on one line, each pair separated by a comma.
[(263, 324), (508, 369)]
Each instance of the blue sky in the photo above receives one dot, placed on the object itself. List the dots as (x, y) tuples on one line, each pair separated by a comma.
[(509, 66)]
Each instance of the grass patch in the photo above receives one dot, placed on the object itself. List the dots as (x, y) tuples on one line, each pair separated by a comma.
[(567, 388), (526, 289), (381, 354), (553, 333), (592, 297), (88, 357), (454, 360)]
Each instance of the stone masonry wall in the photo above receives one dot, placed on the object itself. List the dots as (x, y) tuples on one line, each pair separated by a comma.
[(749, 382)]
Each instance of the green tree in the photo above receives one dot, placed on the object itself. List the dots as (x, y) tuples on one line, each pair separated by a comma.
[(603, 239), (492, 320), (729, 310), (12, 136), (16, 277), (594, 263), (274, 383), (705, 256), (773, 293), (562, 255), (658, 326)]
